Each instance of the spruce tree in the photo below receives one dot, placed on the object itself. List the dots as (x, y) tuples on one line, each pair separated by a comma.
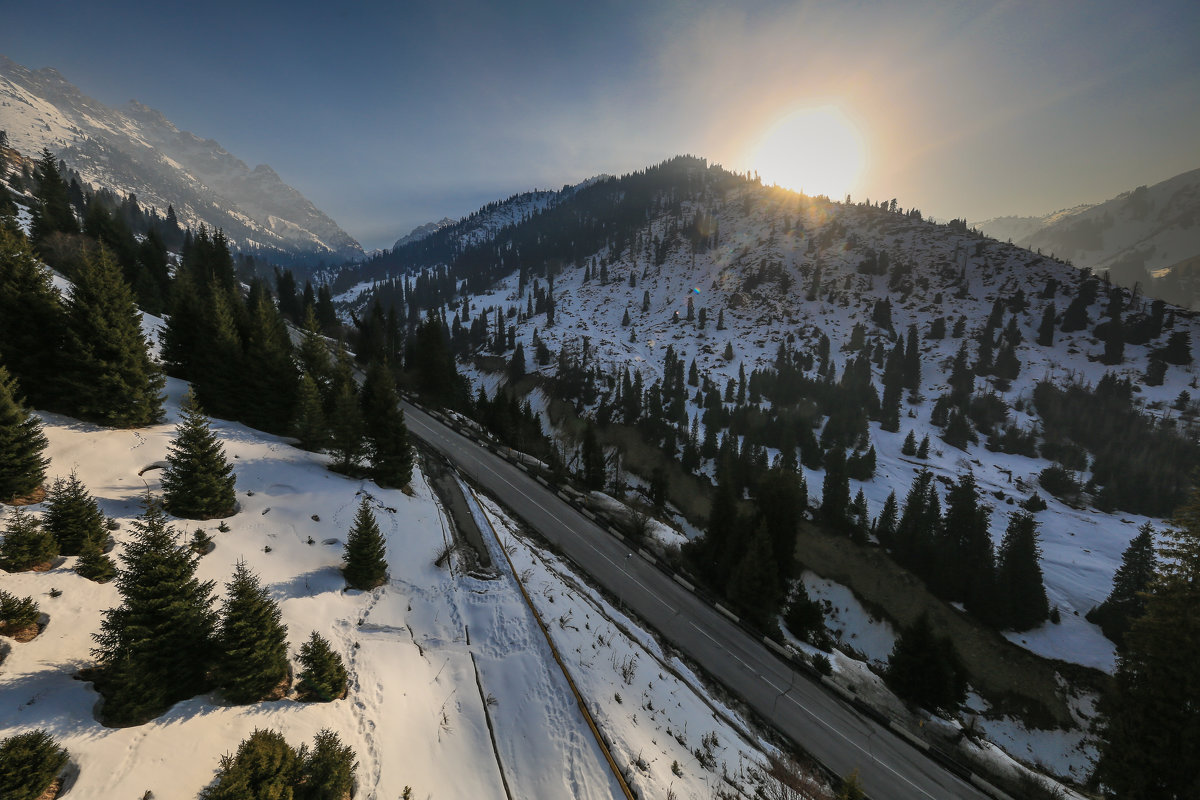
[(592, 456), (365, 554), (53, 212), (22, 444), (198, 480), (322, 674), (252, 640), (387, 443), (269, 375), (1019, 575), (1045, 334), (346, 442), (308, 423), (109, 374), (328, 769), (924, 668), (17, 613), (1149, 728), (73, 516), (93, 564), (32, 322), (265, 767), (156, 648), (1126, 602), (29, 763), (966, 562), (885, 524), (835, 489), (750, 587), (26, 543)]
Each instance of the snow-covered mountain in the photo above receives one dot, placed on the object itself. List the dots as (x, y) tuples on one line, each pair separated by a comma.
[(1141, 234), (136, 150), (421, 231)]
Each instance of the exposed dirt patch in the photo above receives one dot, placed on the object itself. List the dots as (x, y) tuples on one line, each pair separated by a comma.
[(1009, 676), (31, 499), (24, 634)]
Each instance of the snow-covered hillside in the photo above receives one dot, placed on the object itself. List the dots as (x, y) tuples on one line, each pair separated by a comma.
[(758, 278), (435, 657), (136, 150)]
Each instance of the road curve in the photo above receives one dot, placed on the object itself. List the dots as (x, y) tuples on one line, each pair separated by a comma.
[(828, 728)]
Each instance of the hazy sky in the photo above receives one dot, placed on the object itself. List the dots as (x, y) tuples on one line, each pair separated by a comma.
[(389, 114)]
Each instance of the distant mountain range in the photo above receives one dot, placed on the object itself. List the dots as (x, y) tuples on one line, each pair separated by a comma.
[(136, 150), (1149, 235)]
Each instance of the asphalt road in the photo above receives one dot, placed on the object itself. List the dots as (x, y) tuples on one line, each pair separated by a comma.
[(835, 733)]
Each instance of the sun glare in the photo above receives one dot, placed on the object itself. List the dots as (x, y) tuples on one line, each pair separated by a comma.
[(814, 150)]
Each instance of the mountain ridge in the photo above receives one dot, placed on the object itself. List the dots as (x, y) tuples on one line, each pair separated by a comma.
[(137, 150)]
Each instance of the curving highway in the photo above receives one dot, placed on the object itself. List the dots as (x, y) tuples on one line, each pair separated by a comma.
[(820, 723)]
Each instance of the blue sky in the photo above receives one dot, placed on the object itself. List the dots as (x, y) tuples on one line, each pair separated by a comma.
[(388, 115)]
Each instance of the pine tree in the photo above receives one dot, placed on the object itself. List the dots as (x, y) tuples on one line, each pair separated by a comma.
[(885, 524), (328, 769), (73, 516), (835, 488), (593, 460), (26, 544), (750, 587), (909, 448), (1019, 575), (93, 564), (29, 763), (252, 640), (1149, 728), (198, 480), (923, 448), (16, 613), (967, 562), (386, 434), (53, 213), (365, 555), (157, 646), (322, 675), (924, 668), (268, 373), (346, 443), (1045, 334), (32, 322), (265, 767), (1126, 602), (22, 444), (109, 374), (308, 423)]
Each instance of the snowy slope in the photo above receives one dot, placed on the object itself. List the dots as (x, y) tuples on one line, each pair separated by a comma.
[(1081, 547), (433, 656)]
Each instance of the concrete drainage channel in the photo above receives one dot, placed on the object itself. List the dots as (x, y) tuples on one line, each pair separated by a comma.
[(472, 431)]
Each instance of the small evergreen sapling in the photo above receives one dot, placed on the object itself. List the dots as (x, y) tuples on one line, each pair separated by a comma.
[(365, 553), (29, 763), (17, 614), (26, 544), (73, 516), (93, 564), (198, 482), (322, 674)]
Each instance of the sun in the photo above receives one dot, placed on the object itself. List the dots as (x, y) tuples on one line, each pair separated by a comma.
[(814, 150)]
